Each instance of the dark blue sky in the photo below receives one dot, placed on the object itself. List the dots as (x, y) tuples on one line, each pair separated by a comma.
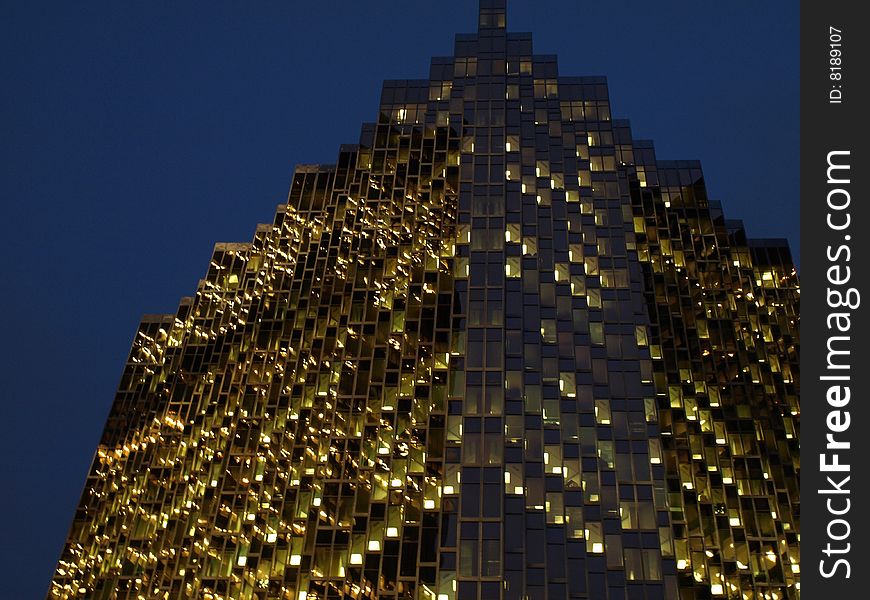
[(135, 135)]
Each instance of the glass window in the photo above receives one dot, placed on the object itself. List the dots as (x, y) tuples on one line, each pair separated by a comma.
[(469, 561)]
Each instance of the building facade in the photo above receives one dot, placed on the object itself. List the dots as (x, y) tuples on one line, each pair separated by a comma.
[(497, 351)]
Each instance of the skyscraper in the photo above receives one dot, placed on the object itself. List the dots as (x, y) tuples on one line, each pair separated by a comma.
[(499, 350)]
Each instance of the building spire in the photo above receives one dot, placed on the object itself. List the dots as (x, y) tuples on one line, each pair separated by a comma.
[(492, 15)]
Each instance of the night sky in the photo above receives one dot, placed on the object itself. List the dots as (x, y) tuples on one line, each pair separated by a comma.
[(135, 135)]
